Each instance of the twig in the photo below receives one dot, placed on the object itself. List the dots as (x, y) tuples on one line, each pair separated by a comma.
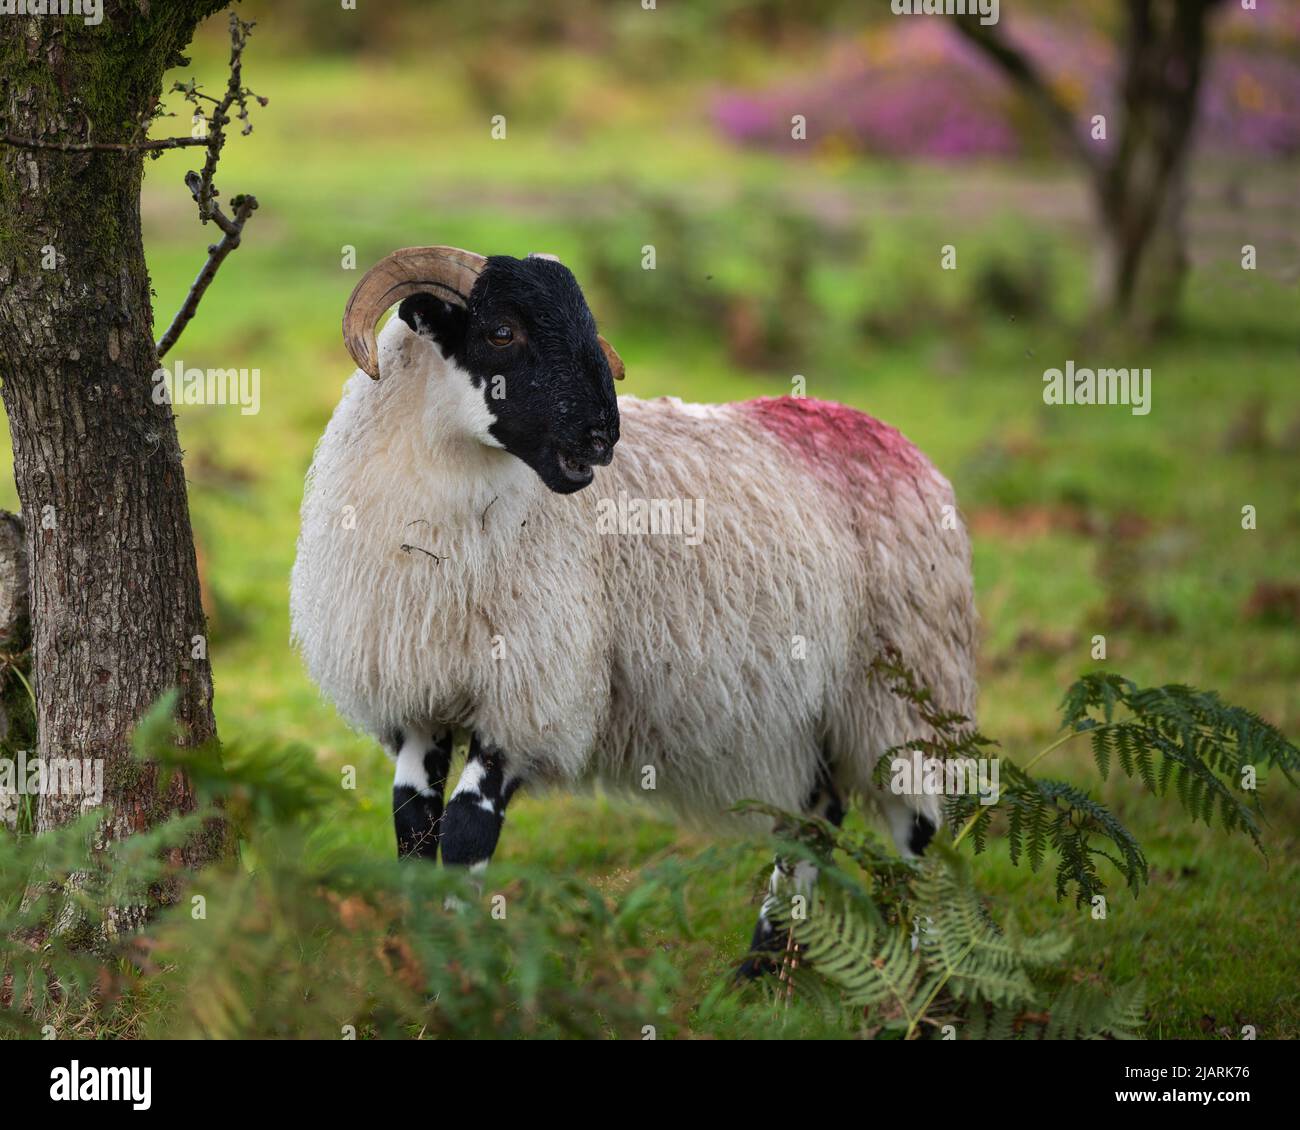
[(202, 186), (103, 146), (420, 549), (789, 963), (217, 253), (794, 965)]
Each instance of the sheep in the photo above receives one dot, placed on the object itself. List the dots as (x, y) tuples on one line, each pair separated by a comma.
[(461, 564)]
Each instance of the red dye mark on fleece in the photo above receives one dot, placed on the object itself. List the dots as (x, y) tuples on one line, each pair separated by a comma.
[(842, 445)]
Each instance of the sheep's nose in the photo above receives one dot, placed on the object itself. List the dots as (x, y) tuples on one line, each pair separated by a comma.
[(600, 447)]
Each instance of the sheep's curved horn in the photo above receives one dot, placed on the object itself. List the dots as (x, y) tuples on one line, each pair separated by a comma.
[(615, 361), (447, 271)]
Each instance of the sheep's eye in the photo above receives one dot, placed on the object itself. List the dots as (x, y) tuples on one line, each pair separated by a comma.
[(502, 336)]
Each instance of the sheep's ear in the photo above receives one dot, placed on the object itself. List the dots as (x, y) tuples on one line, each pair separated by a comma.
[(439, 321)]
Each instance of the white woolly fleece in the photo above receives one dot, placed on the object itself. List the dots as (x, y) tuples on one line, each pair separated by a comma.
[(438, 582)]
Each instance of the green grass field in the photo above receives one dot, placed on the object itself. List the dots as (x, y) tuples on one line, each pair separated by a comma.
[(1074, 511)]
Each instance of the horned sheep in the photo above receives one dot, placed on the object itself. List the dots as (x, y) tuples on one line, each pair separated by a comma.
[(467, 560)]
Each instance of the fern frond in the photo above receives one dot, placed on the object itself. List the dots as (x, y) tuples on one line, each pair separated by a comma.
[(1082, 1012), (872, 967), (959, 940)]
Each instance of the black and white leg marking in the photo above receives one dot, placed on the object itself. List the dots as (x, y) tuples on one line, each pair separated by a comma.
[(419, 781), (787, 881), (472, 823), (912, 830)]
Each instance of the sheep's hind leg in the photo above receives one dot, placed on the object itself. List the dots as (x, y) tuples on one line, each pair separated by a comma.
[(912, 821), (788, 881), (471, 825), (419, 781)]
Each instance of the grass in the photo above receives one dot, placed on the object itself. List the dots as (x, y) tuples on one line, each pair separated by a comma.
[(375, 156)]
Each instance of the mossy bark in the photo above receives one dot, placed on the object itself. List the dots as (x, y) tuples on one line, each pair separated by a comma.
[(113, 582)]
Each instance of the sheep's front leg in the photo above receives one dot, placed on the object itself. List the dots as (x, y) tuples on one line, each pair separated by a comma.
[(472, 823), (419, 781)]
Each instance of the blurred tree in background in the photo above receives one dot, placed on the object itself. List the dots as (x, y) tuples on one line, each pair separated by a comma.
[(1138, 172), (935, 88)]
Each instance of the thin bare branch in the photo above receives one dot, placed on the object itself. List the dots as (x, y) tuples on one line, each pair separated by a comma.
[(1022, 71), (217, 252), (103, 146), (202, 185)]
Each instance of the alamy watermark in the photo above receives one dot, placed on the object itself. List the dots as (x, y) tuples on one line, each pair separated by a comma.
[(76, 1083), (952, 776), (28, 775), (179, 385), (659, 517), (1098, 386), (92, 11), (987, 10)]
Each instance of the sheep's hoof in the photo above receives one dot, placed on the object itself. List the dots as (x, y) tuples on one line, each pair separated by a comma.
[(757, 965), (769, 953), (766, 951)]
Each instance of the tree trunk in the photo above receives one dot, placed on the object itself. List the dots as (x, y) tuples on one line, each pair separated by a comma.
[(114, 590), (1141, 264), (1141, 192)]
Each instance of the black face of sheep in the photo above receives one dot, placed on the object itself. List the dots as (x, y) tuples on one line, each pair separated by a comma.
[(528, 340)]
